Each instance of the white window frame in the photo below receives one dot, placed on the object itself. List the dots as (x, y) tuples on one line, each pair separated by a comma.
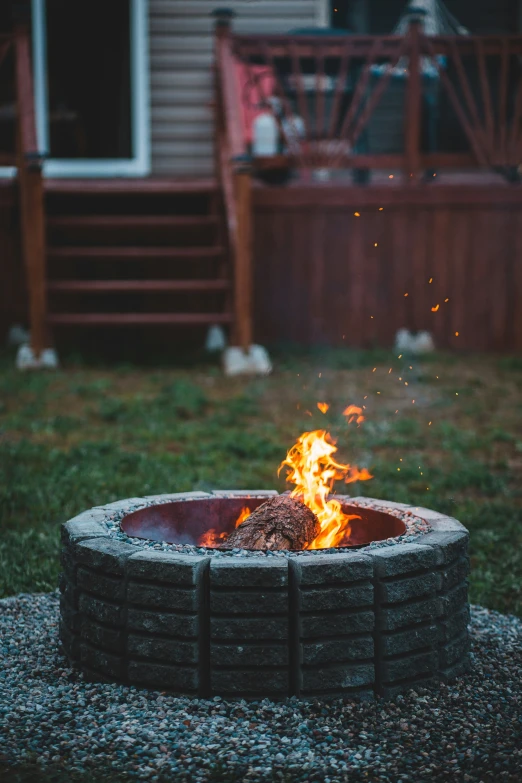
[(139, 163)]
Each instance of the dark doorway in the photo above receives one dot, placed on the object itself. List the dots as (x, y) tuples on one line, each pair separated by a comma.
[(89, 78)]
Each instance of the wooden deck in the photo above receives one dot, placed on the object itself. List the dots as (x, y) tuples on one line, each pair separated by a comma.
[(350, 266)]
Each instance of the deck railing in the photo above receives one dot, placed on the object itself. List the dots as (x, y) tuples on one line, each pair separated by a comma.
[(325, 93), (28, 161), (460, 107)]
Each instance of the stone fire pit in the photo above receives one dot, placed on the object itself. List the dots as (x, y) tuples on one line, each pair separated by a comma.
[(143, 604)]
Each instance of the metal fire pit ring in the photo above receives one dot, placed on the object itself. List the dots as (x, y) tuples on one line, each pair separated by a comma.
[(352, 622)]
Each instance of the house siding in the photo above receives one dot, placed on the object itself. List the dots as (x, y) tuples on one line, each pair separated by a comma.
[(181, 51)]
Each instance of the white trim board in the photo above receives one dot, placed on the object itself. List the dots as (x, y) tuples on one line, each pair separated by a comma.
[(322, 13), (139, 164)]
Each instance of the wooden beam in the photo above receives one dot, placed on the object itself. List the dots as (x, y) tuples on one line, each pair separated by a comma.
[(413, 115), (138, 319), (31, 195), (243, 259)]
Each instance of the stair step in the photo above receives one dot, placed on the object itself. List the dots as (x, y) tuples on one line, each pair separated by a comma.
[(132, 221), (124, 187), (100, 286), (133, 253), (141, 319)]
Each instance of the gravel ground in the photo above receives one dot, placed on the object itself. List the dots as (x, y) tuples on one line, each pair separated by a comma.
[(415, 527), (470, 731)]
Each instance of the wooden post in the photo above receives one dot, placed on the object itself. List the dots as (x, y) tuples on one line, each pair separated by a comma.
[(243, 282), (413, 117), (31, 195)]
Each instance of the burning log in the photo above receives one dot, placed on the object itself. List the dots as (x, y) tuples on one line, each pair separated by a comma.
[(280, 523)]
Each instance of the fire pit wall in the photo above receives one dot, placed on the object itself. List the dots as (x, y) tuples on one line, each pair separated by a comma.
[(353, 622)]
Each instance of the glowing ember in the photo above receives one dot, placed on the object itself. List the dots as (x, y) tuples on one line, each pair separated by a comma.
[(323, 406), (354, 414), (212, 538), (313, 470)]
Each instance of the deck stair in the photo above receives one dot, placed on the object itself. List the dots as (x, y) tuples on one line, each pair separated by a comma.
[(136, 252)]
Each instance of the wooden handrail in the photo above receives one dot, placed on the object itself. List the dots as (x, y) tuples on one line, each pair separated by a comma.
[(492, 125), (234, 180), (230, 100)]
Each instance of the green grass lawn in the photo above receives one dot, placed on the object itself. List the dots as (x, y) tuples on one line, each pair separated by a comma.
[(90, 435)]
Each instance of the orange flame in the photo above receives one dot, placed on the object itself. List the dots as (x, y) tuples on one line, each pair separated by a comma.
[(245, 512), (314, 470), (354, 414), (323, 406)]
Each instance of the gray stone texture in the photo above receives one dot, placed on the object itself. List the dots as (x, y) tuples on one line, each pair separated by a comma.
[(103, 611), (249, 628), (104, 554), (69, 615), (245, 493), (70, 642), (248, 654), (332, 677), (332, 569), (168, 567), (70, 592), (336, 624), (408, 666), (110, 639), (101, 661), (249, 572), (163, 597), (413, 639), (399, 590), (457, 670), (398, 560), (234, 682), (452, 626), (165, 623), (177, 497), (245, 600), (336, 597), (89, 524), (337, 650), (100, 585), (169, 650), (454, 651), (455, 573), (183, 679), (416, 611), (449, 546), (455, 599)]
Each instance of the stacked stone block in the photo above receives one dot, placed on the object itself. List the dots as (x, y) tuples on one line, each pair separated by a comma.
[(166, 621), (249, 627), (407, 607), (354, 623), (333, 600)]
